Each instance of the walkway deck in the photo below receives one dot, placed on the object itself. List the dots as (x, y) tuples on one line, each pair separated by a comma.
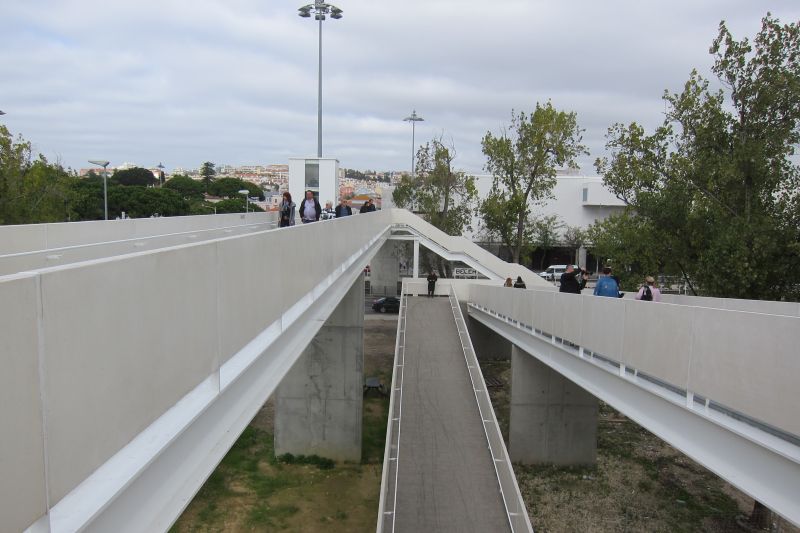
[(446, 479)]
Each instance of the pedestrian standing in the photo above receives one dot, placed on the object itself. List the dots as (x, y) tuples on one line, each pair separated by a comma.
[(310, 210), (432, 277), (649, 292), (328, 213), (570, 282), (287, 209), (606, 285), (343, 209), (519, 284)]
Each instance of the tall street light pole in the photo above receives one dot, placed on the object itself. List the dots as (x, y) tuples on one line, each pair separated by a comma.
[(246, 193), (103, 164), (413, 118), (160, 168), (320, 10)]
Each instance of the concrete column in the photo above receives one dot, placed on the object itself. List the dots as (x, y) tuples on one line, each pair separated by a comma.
[(582, 257), (553, 421), (488, 345), (318, 405), (416, 258)]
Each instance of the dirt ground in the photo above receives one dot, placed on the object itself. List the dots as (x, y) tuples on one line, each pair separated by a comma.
[(640, 483), (253, 491)]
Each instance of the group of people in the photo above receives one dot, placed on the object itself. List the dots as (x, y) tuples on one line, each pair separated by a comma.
[(574, 281), (311, 210)]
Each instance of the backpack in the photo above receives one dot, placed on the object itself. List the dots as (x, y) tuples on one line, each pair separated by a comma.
[(647, 294), (607, 286)]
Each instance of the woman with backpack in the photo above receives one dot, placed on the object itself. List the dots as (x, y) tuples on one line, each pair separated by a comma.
[(649, 292)]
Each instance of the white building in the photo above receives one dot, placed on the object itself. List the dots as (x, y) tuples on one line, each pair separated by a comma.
[(317, 174), (577, 201)]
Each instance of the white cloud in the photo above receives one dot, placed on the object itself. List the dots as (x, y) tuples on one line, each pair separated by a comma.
[(234, 81)]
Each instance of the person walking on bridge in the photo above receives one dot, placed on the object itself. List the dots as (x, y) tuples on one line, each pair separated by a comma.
[(649, 292), (310, 210), (287, 209), (432, 277), (606, 285), (343, 210), (569, 280), (328, 213)]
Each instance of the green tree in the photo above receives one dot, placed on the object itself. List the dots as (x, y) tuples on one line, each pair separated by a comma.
[(574, 238), (631, 244), (523, 164), (230, 187), (545, 232), (716, 183), (445, 196), (207, 171), (143, 202), (234, 205), (32, 190), (189, 189), (134, 176)]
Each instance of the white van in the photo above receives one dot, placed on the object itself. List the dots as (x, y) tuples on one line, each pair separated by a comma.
[(554, 272)]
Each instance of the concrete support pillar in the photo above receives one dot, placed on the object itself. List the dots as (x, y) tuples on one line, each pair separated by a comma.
[(582, 257), (553, 421), (416, 258), (318, 405), (488, 345)]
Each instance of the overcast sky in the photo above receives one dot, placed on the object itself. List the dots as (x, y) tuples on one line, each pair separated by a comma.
[(235, 81)]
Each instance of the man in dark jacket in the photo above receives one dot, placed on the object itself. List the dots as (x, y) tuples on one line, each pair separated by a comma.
[(432, 277), (310, 210), (343, 210), (569, 280)]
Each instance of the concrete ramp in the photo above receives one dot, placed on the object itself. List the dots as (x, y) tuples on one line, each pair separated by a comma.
[(446, 480)]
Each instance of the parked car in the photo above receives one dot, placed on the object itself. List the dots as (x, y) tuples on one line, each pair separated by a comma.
[(554, 272), (389, 304)]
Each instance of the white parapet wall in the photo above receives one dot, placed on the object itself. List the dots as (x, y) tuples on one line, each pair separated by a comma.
[(106, 365), (35, 237), (729, 375)]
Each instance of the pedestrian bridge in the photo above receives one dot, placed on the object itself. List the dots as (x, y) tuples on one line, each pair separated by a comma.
[(133, 358)]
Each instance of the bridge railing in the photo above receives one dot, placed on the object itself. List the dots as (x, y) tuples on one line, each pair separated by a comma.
[(32, 237), (512, 498), (740, 362), (34, 260), (93, 353)]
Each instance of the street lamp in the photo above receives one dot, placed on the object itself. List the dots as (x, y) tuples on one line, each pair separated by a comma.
[(160, 168), (103, 164), (414, 118), (320, 10), (246, 199)]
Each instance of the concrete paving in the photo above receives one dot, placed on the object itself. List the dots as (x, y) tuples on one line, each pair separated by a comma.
[(446, 479)]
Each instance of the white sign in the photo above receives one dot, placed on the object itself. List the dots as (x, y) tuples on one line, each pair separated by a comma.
[(465, 273)]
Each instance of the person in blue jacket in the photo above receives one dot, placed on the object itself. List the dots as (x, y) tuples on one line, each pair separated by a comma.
[(606, 285)]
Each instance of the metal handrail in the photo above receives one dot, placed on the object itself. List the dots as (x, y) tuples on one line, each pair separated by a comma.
[(514, 504)]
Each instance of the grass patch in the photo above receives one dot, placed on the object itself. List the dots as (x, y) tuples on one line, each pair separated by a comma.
[(264, 514), (373, 429), (323, 463)]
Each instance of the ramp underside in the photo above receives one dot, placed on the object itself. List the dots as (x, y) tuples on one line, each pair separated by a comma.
[(446, 479)]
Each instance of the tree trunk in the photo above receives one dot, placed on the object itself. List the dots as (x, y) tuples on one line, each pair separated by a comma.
[(518, 241)]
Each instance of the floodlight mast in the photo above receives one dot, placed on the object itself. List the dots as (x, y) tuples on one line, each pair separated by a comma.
[(103, 164), (320, 10), (413, 118)]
